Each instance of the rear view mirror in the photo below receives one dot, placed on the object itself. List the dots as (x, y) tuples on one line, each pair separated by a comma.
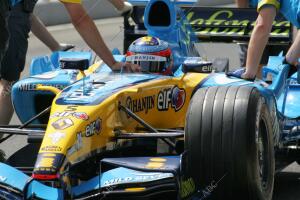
[(79, 64), (197, 64)]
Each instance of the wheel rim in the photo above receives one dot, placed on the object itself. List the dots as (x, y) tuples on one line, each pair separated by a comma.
[(262, 155)]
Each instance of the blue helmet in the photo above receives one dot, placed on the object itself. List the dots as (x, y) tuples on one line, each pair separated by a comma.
[(151, 53)]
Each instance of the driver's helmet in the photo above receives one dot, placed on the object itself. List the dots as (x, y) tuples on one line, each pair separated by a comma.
[(151, 54)]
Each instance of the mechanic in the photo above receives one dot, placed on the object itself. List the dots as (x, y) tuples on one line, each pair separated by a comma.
[(267, 10), (13, 61), (243, 47), (5, 5), (270, 50), (19, 26), (88, 30), (3, 29), (151, 54), (4, 11), (41, 32)]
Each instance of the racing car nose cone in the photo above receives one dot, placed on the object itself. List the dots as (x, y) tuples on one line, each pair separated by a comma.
[(47, 166)]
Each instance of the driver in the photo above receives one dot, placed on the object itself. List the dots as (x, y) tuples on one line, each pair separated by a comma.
[(151, 54)]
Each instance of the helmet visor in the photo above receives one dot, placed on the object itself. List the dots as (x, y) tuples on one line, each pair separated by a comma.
[(149, 63)]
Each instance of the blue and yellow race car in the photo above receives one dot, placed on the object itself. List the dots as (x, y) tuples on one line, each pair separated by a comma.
[(187, 132)]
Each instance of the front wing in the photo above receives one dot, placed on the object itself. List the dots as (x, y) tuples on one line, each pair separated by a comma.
[(128, 178)]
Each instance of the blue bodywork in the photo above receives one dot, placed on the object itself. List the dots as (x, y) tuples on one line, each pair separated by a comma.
[(281, 96), (111, 178)]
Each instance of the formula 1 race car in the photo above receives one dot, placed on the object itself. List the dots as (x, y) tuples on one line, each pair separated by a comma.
[(189, 135)]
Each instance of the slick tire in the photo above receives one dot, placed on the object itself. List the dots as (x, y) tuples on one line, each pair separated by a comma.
[(229, 144)]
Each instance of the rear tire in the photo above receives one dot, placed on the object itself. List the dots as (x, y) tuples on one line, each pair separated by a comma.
[(229, 143)]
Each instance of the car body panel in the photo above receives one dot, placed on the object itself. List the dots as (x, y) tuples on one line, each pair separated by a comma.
[(153, 101)]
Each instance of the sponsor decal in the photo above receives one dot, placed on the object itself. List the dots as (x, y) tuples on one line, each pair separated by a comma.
[(93, 128), (142, 57), (197, 64), (2, 178), (227, 17), (171, 97), (48, 162), (77, 115), (143, 177), (62, 124), (77, 145), (71, 108), (156, 163), (31, 87), (206, 69), (81, 115), (187, 187), (141, 104), (80, 95), (51, 148), (45, 169), (56, 137)]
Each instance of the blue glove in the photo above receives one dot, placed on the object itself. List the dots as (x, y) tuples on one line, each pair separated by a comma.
[(238, 74)]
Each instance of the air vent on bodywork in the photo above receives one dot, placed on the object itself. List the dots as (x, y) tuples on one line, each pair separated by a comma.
[(159, 14)]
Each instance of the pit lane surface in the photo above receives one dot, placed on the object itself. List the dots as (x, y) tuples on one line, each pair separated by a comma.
[(287, 183)]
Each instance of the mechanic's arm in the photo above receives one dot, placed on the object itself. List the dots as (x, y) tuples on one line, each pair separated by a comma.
[(41, 32), (89, 32), (259, 39), (242, 3)]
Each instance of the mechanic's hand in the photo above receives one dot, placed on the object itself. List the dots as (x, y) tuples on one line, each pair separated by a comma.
[(65, 47), (240, 73), (126, 67)]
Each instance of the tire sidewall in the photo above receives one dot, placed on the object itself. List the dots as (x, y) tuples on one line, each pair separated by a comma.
[(262, 115)]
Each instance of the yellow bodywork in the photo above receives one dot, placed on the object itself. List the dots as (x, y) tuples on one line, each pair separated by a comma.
[(77, 131)]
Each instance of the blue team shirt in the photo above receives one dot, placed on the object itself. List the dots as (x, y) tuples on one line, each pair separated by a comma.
[(290, 9)]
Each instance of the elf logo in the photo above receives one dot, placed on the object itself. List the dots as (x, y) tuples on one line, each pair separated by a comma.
[(174, 97), (93, 128), (77, 115)]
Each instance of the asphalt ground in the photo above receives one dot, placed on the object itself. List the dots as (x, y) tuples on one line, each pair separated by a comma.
[(287, 182)]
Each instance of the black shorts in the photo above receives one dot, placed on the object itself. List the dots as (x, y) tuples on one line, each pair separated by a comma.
[(3, 28), (14, 59)]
